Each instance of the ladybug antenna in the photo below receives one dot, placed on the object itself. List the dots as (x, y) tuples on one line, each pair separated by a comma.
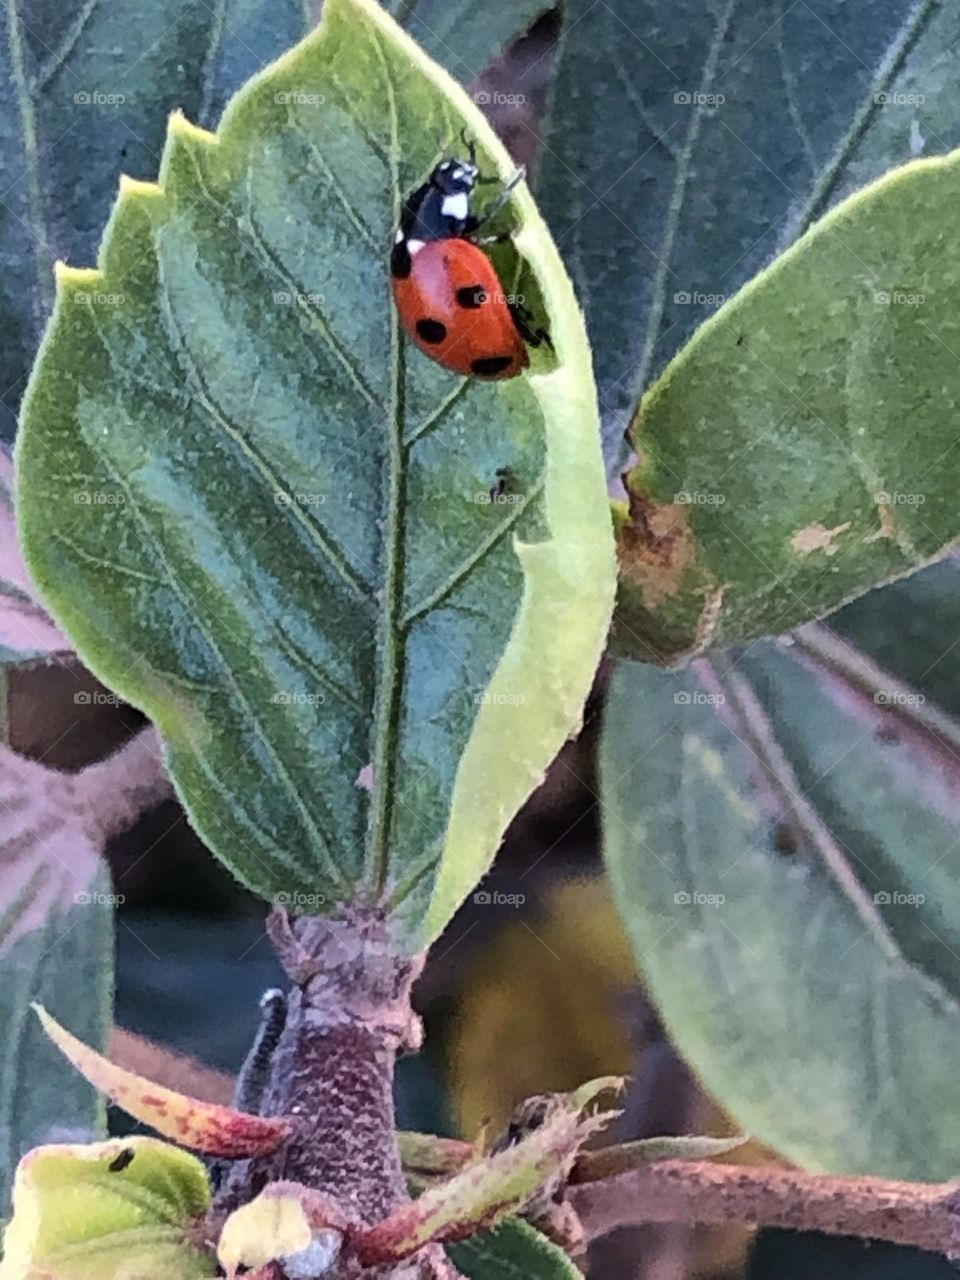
[(471, 146)]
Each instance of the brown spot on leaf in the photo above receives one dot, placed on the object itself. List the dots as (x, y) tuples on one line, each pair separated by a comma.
[(656, 547), (816, 537), (888, 525)]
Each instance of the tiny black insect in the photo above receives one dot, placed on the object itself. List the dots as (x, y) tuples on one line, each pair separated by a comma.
[(121, 1161)]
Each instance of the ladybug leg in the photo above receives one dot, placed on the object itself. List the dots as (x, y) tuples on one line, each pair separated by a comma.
[(505, 194), (524, 322)]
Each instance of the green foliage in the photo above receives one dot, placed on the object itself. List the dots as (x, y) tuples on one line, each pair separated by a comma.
[(463, 36), (55, 945), (120, 1208), (779, 831), (513, 1249), (288, 556), (688, 143), (87, 88)]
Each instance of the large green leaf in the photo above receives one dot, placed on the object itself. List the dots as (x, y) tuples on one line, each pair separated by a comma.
[(289, 557), (800, 449), (783, 835), (86, 88), (688, 142)]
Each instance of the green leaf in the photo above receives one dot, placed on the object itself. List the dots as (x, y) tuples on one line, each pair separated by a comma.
[(782, 833), (292, 563), (512, 1250), (56, 946), (465, 37), (776, 480), (108, 1211), (87, 88), (688, 143)]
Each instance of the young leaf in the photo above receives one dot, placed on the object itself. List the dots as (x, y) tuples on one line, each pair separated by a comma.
[(689, 143), (489, 1190), (86, 89), (797, 451), (108, 1211), (782, 837), (511, 1250), (293, 563), (202, 1126)]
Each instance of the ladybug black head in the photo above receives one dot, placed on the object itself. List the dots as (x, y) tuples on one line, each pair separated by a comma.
[(454, 177)]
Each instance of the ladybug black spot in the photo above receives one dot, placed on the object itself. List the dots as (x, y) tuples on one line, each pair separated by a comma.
[(431, 330), (400, 261), (488, 366), (472, 296)]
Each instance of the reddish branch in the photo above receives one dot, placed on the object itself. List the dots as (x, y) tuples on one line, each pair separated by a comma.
[(924, 1215)]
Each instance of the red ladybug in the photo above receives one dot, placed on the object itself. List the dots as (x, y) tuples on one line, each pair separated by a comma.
[(448, 295)]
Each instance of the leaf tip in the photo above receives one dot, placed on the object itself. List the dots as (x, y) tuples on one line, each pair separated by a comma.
[(180, 127), (138, 187), (68, 277)]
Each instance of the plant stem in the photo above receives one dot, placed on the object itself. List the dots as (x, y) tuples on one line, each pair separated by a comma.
[(923, 1215), (348, 1016)]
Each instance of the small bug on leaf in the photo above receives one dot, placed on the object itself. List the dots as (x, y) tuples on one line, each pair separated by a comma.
[(121, 1161), (448, 295)]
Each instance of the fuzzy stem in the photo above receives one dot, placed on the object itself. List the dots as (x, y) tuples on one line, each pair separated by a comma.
[(348, 1016), (923, 1215)]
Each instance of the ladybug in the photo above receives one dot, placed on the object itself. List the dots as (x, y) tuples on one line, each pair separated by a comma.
[(448, 295)]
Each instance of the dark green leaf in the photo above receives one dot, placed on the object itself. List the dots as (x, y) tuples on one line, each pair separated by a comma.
[(689, 142), (55, 946), (510, 1251), (463, 36), (783, 837), (86, 87), (290, 558)]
